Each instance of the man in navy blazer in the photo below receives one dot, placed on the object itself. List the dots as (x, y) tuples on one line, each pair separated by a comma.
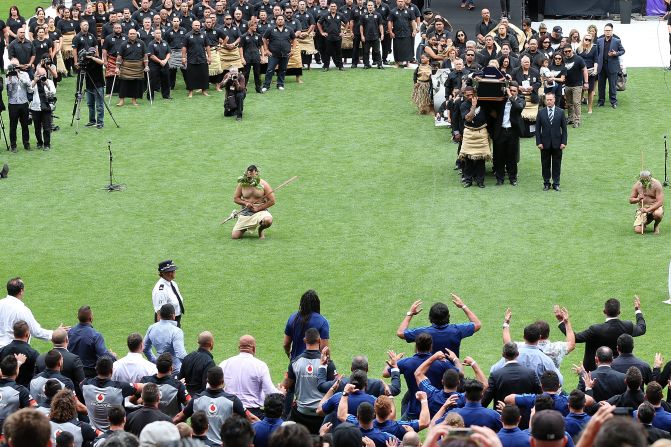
[(608, 56), (551, 139)]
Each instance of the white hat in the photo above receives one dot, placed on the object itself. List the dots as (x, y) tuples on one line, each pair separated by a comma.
[(157, 433)]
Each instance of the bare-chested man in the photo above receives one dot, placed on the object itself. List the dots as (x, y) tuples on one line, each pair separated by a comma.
[(255, 196), (649, 195)]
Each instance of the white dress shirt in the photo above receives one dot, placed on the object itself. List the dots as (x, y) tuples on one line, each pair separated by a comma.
[(12, 310), (163, 294), (248, 378), (132, 368)]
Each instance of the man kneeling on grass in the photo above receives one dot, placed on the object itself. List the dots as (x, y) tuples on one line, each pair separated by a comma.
[(649, 195)]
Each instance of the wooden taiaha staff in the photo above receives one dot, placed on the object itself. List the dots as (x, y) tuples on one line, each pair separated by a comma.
[(235, 213)]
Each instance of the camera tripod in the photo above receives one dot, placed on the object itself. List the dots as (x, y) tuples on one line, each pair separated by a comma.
[(2, 126), (79, 94)]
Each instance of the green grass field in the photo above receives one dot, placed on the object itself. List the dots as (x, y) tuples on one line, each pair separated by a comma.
[(377, 219)]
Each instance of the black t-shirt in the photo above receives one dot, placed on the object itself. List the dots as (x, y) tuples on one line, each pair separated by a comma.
[(15, 24), (113, 42), (251, 48), (66, 26), (42, 48), (574, 75), (233, 32), (185, 21), (195, 45), (133, 51), (331, 25), (213, 35), (84, 41), (23, 51), (384, 10), (355, 17), (401, 20), (279, 41), (371, 25), (306, 20), (158, 49), (127, 25), (140, 15), (558, 71), (175, 38), (480, 118), (120, 5), (33, 28), (139, 419), (95, 78)]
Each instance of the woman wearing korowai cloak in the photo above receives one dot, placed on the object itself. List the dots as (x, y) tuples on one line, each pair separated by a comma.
[(255, 196)]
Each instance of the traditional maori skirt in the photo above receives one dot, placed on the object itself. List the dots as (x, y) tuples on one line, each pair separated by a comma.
[(131, 77), (295, 61), (250, 222), (110, 66), (530, 110), (347, 38), (403, 51), (66, 46), (175, 60), (230, 58), (214, 67), (196, 77), (475, 144), (643, 218), (60, 64), (307, 45), (421, 95)]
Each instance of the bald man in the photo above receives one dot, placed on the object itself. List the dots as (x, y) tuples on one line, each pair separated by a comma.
[(248, 377), (196, 364), (411, 439), (72, 364)]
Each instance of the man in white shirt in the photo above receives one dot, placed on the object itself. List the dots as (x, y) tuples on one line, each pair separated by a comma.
[(12, 309), (133, 367), (248, 377), (166, 291)]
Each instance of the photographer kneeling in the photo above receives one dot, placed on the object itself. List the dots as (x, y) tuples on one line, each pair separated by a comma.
[(44, 97), (236, 90), (18, 87)]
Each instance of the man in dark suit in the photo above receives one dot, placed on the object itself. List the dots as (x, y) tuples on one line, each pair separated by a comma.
[(551, 139), (645, 415), (507, 133), (604, 382), (20, 346), (513, 378), (606, 334), (72, 365), (626, 359), (609, 50), (634, 396)]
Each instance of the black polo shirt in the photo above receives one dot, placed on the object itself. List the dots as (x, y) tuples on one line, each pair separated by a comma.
[(84, 41), (91, 21), (127, 25), (484, 28), (213, 35), (371, 25), (175, 38), (113, 42), (294, 24), (145, 36), (233, 33), (133, 51), (306, 19), (243, 26), (158, 49), (247, 10), (331, 24), (401, 20), (42, 48), (185, 21), (357, 12), (263, 6), (22, 51), (195, 45), (194, 370), (139, 419), (384, 11), (140, 14), (108, 29), (279, 40), (251, 48)]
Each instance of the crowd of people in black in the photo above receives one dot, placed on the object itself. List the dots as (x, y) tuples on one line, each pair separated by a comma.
[(81, 393)]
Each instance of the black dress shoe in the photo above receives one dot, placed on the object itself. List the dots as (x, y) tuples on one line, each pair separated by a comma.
[(499, 182), (380, 67), (343, 68), (546, 187), (468, 184), (614, 106), (556, 187), (600, 104), (513, 182), (365, 67), (481, 185)]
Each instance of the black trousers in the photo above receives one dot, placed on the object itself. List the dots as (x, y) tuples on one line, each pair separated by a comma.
[(159, 77), (356, 43), (18, 113), (257, 73), (505, 7), (612, 87), (375, 46), (474, 170), (173, 77), (239, 100), (320, 45), (312, 423), (386, 46), (551, 165), (506, 154), (2, 51), (333, 51), (42, 123)]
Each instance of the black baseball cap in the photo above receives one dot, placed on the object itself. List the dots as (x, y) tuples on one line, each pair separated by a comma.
[(548, 425)]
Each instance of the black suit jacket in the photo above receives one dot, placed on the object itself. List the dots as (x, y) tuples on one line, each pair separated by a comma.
[(605, 334), (655, 433), (624, 361), (27, 370), (628, 399), (515, 117), (513, 378), (73, 368), (551, 136), (608, 383)]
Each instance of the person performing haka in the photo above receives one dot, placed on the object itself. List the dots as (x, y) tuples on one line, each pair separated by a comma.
[(649, 195), (255, 196)]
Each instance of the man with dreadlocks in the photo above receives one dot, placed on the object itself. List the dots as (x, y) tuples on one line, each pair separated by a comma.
[(255, 196), (648, 194)]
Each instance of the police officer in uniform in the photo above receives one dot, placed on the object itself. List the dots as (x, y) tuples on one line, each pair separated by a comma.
[(166, 291), (159, 70), (329, 27), (371, 30)]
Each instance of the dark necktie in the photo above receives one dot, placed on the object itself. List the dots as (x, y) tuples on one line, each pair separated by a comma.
[(179, 298), (551, 114)]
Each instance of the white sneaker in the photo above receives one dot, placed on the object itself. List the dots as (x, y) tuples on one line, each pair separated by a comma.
[(667, 301), (280, 88), (263, 90)]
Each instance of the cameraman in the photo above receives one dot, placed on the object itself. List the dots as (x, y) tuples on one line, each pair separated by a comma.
[(44, 95), (236, 90), (18, 87), (92, 69)]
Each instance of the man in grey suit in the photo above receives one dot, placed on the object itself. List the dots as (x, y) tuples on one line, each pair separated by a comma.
[(608, 56), (551, 139)]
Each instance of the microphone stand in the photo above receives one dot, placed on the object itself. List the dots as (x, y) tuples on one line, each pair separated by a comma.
[(112, 186), (666, 159)]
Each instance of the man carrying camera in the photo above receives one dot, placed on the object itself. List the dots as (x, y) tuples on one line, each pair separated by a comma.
[(92, 69), (18, 87), (236, 90), (44, 97)]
